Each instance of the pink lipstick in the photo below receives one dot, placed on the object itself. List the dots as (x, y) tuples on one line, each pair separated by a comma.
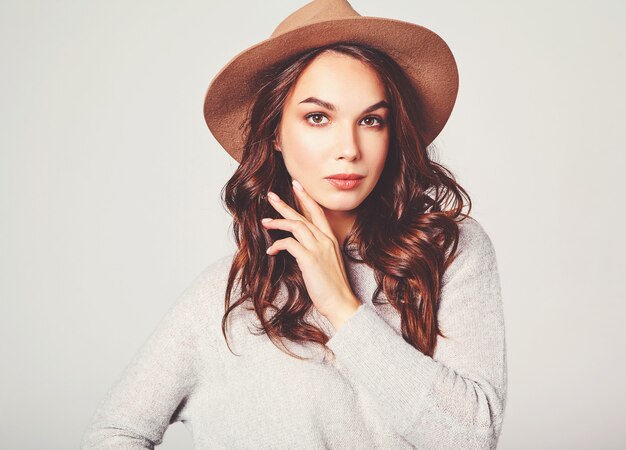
[(345, 180)]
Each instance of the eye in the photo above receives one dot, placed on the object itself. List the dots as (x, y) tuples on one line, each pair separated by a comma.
[(316, 115), (379, 119)]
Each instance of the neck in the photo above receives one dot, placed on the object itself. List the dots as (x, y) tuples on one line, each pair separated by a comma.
[(340, 222)]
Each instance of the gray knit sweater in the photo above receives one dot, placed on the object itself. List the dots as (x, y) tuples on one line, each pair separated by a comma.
[(380, 392)]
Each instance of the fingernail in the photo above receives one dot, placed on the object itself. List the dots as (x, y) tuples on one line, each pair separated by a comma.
[(273, 196), (266, 220), (297, 185)]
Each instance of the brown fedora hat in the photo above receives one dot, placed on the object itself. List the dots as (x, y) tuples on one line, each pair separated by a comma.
[(424, 56)]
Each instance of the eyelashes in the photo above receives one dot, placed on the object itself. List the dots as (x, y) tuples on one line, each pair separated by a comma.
[(380, 120)]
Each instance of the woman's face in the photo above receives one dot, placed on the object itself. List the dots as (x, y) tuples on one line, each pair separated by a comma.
[(334, 121)]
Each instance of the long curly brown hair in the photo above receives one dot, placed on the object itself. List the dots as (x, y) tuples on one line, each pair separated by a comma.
[(406, 229)]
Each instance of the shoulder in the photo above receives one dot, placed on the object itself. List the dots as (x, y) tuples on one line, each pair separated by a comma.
[(215, 273), (473, 238), (475, 249), (472, 233), (203, 297)]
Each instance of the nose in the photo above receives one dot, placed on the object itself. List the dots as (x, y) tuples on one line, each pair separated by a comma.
[(349, 148)]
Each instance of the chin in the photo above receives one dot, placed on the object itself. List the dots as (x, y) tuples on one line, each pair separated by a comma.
[(344, 204)]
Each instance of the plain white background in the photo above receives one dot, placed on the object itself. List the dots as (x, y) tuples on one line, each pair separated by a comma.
[(110, 182)]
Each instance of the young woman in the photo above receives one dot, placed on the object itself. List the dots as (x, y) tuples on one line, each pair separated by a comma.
[(367, 312)]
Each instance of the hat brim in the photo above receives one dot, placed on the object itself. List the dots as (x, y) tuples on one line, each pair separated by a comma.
[(424, 55)]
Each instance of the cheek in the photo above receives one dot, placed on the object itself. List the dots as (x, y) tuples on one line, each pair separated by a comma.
[(301, 151), (301, 161), (378, 153)]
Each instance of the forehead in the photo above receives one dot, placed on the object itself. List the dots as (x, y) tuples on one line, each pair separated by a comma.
[(339, 78)]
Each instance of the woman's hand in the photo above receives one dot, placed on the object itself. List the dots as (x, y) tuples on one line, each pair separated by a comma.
[(317, 252)]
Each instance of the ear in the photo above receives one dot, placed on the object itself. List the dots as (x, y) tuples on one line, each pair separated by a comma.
[(276, 144)]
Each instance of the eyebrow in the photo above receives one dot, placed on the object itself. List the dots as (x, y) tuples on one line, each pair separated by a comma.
[(330, 106)]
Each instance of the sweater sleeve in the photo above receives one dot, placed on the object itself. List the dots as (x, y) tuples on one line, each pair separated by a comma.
[(153, 389), (456, 399)]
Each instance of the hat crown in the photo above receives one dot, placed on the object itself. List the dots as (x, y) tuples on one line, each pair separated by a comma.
[(313, 12)]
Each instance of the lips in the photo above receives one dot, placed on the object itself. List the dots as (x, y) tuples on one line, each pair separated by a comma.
[(344, 184), (345, 176)]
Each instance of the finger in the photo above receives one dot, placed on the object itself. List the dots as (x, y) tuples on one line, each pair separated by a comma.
[(283, 208), (300, 230), (292, 246), (318, 217), (288, 212)]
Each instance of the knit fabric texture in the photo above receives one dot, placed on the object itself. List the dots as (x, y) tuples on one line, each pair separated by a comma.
[(379, 392)]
